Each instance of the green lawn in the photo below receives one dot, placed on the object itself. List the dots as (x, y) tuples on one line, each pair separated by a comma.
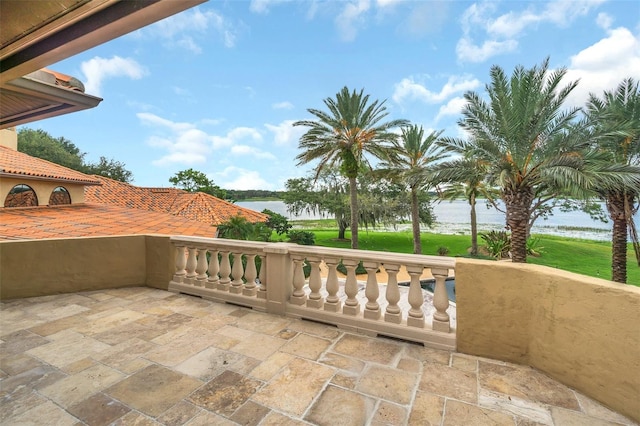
[(586, 257)]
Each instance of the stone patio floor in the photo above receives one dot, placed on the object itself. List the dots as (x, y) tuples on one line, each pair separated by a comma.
[(140, 356)]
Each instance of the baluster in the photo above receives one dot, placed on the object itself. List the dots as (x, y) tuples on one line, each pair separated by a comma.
[(225, 271), (201, 267), (315, 284), (298, 297), (372, 308), (351, 305), (332, 303), (237, 271), (262, 291), (250, 274), (214, 268), (191, 266), (181, 263), (441, 301), (416, 297), (392, 313)]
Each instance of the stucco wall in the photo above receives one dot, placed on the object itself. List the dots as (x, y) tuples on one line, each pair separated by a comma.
[(160, 261), (42, 188), (41, 267), (582, 331)]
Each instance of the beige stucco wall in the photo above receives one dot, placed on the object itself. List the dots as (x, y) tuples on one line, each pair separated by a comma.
[(42, 188), (41, 267), (9, 138), (582, 331), (160, 261)]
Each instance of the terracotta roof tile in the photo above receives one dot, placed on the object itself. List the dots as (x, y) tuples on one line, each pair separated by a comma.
[(18, 164), (86, 220), (196, 206)]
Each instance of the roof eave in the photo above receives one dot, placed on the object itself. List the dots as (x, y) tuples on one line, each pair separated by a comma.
[(49, 179)]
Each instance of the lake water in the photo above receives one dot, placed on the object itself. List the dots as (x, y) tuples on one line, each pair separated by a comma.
[(453, 218)]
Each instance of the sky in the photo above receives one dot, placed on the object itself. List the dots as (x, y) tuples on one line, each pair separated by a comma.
[(216, 88)]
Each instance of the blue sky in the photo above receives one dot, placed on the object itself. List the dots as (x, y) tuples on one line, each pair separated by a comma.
[(217, 87)]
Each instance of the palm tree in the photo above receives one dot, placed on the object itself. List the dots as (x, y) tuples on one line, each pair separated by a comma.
[(408, 161), (525, 138), (342, 136), (467, 180), (617, 116)]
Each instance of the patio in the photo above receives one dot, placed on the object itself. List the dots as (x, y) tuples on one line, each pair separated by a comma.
[(139, 355)]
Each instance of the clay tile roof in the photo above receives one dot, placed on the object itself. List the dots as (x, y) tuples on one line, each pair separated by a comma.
[(17, 164), (195, 206), (87, 220)]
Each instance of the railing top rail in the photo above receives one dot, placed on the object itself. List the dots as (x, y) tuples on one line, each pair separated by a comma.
[(256, 245)]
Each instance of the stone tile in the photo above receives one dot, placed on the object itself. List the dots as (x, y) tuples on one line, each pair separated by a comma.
[(427, 409), (166, 323), (98, 410), (259, 346), (62, 312), (388, 383), (525, 383), (115, 319), (78, 366), (134, 365), (519, 407), (44, 414), (179, 414), (20, 341), (234, 332), (306, 346), (67, 347), (250, 414), (464, 363), (423, 354), (225, 393), (367, 349), (337, 406), (595, 409), (18, 363), (14, 404), (126, 332), (182, 348), (410, 365), (135, 419), (209, 363), (353, 365), (390, 414), (53, 327), (75, 388), (315, 329), (284, 391), (277, 419), (153, 390), (205, 418), (344, 380), (565, 417), (449, 382), (36, 378), (123, 353), (458, 413), (287, 334), (270, 366), (263, 323)]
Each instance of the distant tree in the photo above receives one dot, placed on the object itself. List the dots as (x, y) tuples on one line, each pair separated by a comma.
[(41, 144), (342, 136), (111, 169), (239, 228), (195, 181)]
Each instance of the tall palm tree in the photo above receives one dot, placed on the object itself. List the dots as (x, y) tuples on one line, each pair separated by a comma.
[(467, 179), (617, 116), (408, 161), (525, 138), (342, 136)]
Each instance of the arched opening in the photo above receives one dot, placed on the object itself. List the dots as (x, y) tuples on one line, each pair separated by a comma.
[(21, 195), (59, 196)]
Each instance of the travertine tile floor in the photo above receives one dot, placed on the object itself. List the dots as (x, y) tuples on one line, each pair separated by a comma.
[(139, 356)]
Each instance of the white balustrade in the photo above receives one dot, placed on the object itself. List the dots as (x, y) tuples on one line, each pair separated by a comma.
[(191, 266), (201, 268)]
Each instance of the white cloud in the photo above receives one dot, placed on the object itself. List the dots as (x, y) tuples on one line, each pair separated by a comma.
[(284, 133), (603, 65), (282, 105), (242, 179), (246, 150), (351, 18), (604, 21), (176, 29), (467, 51), (387, 3), (234, 136), (409, 89), (262, 6), (453, 107), (154, 120), (98, 69)]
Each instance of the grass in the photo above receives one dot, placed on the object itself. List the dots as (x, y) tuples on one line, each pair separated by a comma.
[(592, 258)]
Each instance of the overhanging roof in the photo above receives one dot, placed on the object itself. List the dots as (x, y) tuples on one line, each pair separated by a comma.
[(36, 34)]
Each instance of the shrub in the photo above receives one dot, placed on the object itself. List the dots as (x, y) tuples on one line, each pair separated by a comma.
[(498, 243), (443, 251), (533, 247), (305, 238), (343, 269)]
